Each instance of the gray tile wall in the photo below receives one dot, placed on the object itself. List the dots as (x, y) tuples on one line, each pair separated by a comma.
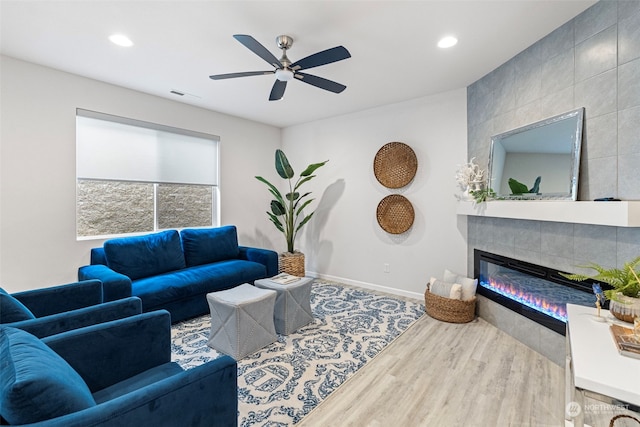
[(592, 61)]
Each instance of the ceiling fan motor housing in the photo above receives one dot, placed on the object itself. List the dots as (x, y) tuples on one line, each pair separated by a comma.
[(284, 43)]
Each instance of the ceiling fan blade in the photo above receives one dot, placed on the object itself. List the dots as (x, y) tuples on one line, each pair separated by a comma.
[(320, 82), (321, 58), (254, 46), (277, 91), (243, 74)]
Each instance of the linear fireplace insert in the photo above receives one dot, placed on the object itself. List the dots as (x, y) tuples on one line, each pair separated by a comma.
[(536, 292)]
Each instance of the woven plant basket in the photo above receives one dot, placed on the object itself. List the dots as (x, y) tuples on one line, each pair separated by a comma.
[(292, 264), (625, 308), (449, 310)]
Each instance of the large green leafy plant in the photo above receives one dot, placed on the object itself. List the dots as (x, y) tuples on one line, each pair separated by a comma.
[(287, 211), (624, 280)]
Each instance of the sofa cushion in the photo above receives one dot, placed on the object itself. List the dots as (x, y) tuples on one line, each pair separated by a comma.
[(207, 245), (35, 382), (445, 289), (144, 256), (158, 291), (12, 310), (469, 285)]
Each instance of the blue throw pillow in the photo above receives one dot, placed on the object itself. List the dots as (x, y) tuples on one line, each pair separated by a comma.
[(12, 310), (145, 256), (207, 245), (36, 384)]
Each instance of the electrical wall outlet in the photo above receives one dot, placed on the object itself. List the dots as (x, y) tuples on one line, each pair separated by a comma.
[(386, 268)]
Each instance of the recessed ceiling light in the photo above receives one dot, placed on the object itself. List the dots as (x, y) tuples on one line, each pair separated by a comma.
[(447, 42), (121, 40)]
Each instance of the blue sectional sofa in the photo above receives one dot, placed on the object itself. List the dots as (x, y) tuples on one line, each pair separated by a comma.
[(174, 270)]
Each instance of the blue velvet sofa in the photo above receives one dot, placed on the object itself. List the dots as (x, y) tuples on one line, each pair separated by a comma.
[(174, 270), (49, 311), (117, 373)]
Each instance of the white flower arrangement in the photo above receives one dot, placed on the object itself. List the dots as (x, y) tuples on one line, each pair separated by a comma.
[(468, 173)]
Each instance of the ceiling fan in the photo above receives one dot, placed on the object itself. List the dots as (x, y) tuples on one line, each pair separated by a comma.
[(286, 71)]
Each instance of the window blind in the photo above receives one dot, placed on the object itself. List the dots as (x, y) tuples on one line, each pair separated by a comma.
[(115, 148)]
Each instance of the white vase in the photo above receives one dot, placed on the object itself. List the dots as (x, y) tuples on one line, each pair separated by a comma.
[(476, 185), (466, 195)]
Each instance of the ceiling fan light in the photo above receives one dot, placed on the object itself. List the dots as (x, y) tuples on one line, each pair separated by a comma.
[(284, 75)]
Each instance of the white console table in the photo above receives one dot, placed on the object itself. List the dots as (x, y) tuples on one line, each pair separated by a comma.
[(594, 366)]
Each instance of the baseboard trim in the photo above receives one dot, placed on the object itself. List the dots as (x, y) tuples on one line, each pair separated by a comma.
[(366, 285)]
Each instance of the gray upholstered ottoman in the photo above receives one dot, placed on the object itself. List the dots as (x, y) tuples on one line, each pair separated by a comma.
[(293, 306), (241, 320)]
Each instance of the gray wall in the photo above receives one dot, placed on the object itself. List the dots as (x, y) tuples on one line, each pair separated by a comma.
[(592, 61)]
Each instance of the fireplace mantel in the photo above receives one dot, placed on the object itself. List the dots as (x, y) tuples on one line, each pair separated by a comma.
[(617, 214)]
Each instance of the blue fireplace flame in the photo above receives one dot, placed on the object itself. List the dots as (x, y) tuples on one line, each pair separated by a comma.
[(536, 293)]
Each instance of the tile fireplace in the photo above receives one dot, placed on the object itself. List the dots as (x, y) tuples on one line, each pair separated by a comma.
[(536, 292)]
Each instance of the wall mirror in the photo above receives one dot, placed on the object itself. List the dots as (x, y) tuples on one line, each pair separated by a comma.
[(538, 161)]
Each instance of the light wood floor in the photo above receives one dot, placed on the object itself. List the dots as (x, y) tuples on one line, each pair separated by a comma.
[(442, 374)]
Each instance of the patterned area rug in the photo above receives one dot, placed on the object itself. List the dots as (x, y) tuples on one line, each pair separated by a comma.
[(284, 381)]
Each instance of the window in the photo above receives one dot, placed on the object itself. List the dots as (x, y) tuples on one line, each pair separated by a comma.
[(135, 177)]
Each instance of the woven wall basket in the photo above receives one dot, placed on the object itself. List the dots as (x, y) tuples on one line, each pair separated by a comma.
[(449, 310), (395, 165), (292, 264), (395, 214)]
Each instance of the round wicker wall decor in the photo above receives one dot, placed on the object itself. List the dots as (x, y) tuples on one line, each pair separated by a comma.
[(395, 214), (395, 165)]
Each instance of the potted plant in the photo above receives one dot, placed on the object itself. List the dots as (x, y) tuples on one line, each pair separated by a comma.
[(287, 211), (625, 293)]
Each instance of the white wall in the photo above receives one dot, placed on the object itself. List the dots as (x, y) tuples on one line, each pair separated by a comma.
[(344, 241), (38, 244)]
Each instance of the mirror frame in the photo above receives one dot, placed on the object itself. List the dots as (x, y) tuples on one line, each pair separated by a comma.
[(577, 116)]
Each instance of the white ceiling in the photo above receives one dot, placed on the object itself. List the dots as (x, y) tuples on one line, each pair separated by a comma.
[(178, 44)]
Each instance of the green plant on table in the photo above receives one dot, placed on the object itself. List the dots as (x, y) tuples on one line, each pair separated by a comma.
[(287, 211), (623, 280)]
